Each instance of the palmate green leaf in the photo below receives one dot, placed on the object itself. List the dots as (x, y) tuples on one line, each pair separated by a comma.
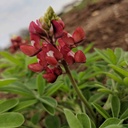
[(49, 104), (11, 58), (114, 77), (21, 90), (4, 82), (24, 104), (52, 122), (11, 120), (119, 69), (101, 110), (92, 59), (110, 121), (119, 55), (40, 82), (8, 104), (49, 101), (88, 48), (90, 75), (95, 97), (53, 88), (112, 56), (115, 106), (72, 120), (105, 90), (84, 120), (103, 55)]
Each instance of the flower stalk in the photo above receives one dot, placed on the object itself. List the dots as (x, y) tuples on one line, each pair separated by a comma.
[(79, 93)]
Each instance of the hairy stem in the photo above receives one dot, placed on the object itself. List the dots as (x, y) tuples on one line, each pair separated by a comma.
[(79, 93)]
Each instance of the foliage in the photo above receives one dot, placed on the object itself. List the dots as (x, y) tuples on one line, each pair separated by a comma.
[(103, 81)]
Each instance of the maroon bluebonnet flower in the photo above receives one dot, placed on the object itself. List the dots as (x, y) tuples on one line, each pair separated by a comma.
[(52, 45), (16, 42)]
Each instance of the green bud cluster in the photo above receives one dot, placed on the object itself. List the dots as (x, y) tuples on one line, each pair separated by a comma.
[(46, 19)]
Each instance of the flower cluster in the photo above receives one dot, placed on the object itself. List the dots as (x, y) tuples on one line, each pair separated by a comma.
[(52, 45), (16, 41)]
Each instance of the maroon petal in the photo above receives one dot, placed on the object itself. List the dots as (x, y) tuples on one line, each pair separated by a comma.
[(28, 50), (51, 60), (50, 77), (35, 67), (35, 40), (42, 58), (69, 59), (35, 29), (68, 39), (80, 57), (78, 35), (58, 28), (56, 52), (57, 70)]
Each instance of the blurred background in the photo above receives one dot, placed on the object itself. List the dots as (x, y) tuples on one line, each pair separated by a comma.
[(15, 15), (104, 21)]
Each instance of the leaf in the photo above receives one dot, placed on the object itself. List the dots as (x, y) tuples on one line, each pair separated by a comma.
[(49, 109), (126, 58), (40, 82), (53, 89), (96, 97), (22, 90), (105, 90), (114, 126), (89, 46), (8, 81), (93, 124), (119, 69), (72, 120), (114, 77), (8, 104), (115, 106), (11, 58), (52, 122), (49, 101), (124, 115), (119, 55), (36, 118), (101, 110), (103, 55), (11, 120), (24, 104), (125, 80), (84, 120), (49, 104), (109, 121), (111, 55)]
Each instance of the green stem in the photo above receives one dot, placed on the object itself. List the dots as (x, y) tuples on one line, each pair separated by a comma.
[(79, 93)]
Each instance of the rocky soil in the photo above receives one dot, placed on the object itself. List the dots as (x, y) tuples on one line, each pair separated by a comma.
[(105, 23)]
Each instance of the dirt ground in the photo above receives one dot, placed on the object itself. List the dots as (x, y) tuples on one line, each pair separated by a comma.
[(105, 23)]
